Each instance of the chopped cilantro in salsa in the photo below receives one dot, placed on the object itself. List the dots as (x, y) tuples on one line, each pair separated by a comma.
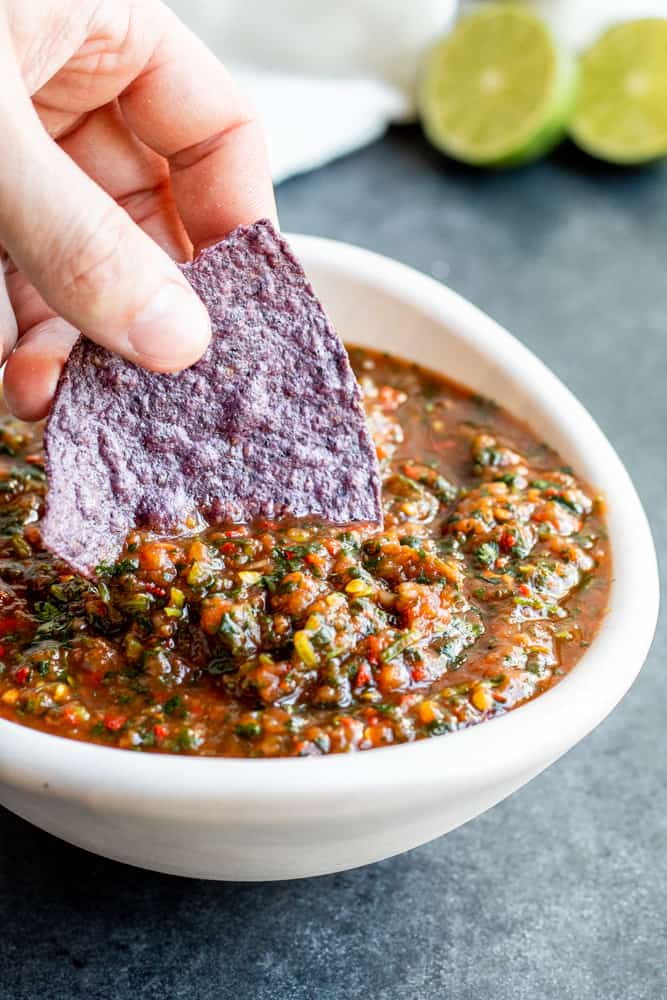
[(487, 583)]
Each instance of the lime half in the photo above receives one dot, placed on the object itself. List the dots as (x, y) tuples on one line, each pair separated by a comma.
[(498, 90), (621, 109)]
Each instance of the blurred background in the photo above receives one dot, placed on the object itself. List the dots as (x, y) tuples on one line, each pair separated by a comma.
[(328, 77)]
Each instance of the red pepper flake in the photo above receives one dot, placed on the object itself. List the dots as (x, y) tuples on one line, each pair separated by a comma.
[(114, 722), (161, 732), (418, 672), (228, 547), (32, 534), (363, 676), (507, 542), (374, 650), (289, 555), (22, 675), (524, 589)]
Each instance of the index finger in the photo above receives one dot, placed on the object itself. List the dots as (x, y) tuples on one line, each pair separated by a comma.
[(186, 107)]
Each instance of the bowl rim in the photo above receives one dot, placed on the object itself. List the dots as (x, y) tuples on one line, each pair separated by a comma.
[(521, 742)]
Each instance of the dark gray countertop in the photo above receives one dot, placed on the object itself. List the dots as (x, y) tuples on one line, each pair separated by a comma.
[(560, 891)]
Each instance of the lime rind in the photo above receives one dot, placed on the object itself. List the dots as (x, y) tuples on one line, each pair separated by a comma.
[(555, 128), (621, 109), (526, 118)]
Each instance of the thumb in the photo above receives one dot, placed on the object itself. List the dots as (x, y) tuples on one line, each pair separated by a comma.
[(88, 260)]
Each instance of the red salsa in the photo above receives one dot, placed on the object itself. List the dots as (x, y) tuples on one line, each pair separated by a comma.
[(486, 585)]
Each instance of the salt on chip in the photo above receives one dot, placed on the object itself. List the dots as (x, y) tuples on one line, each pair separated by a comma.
[(268, 424)]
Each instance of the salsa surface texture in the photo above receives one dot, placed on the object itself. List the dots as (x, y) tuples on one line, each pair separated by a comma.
[(488, 582)]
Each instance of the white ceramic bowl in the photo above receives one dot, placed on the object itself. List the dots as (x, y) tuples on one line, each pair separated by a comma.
[(275, 819)]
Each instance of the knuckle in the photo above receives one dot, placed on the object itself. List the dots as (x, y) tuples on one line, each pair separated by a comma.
[(211, 146)]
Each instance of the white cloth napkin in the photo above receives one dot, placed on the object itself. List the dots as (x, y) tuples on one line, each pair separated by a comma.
[(328, 76)]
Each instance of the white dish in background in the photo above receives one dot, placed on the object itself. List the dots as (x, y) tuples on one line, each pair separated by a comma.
[(284, 818)]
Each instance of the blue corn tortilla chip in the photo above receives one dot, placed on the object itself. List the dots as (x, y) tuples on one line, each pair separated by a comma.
[(268, 423)]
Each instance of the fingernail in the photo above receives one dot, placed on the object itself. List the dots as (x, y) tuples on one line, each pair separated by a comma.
[(172, 331)]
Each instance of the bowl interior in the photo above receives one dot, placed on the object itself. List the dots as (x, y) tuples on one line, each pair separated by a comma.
[(382, 304), (454, 338), (385, 305)]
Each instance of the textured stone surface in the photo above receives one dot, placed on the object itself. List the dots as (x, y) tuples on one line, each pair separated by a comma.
[(559, 892)]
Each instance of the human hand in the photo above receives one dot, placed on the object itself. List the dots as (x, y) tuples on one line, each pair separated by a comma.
[(125, 146)]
